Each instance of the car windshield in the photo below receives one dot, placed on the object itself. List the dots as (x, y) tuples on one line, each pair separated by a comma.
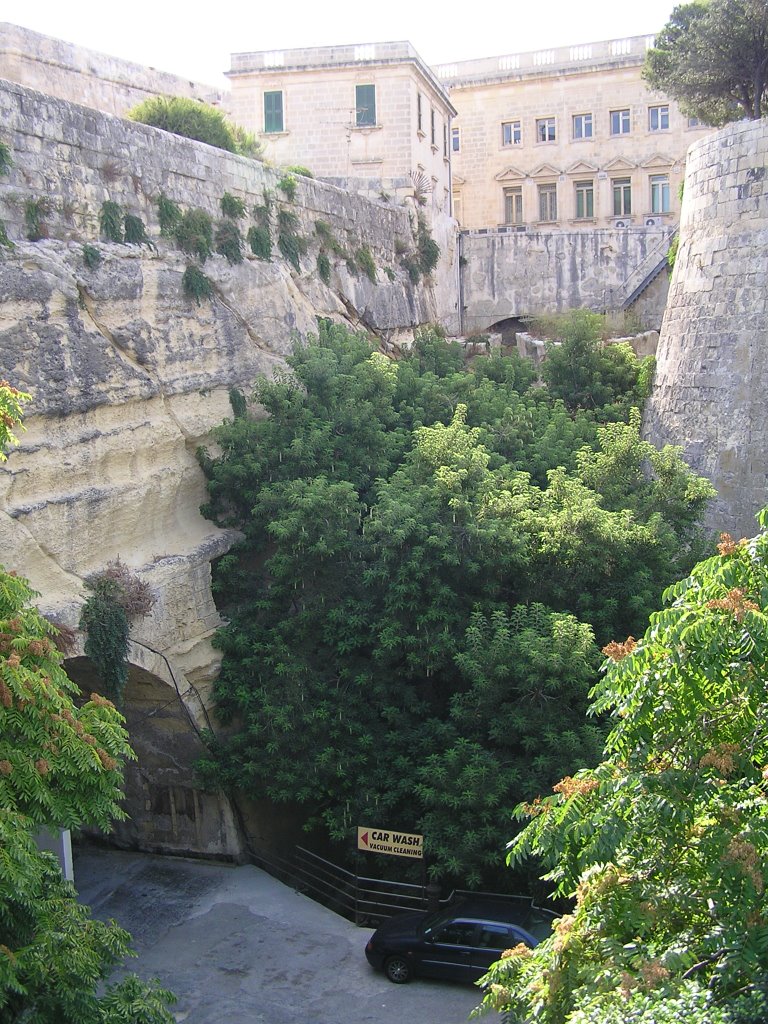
[(437, 919)]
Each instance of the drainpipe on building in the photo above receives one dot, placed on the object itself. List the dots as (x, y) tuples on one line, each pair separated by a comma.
[(459, 270), (450, 167), (459, 281)]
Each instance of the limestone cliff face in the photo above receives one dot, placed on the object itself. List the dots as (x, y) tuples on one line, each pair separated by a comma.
[(128, 377), (712, 371)]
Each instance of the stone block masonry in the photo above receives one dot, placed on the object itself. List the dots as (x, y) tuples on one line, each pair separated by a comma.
[(712, 373), (74, 158), (530, 273), (128, 377), (87, 76)]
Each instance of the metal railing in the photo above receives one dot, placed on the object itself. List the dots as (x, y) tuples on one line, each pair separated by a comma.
[(366, 901), (644, 273)]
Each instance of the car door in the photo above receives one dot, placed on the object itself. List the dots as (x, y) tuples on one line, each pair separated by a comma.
[(492, 940), (448, 953)]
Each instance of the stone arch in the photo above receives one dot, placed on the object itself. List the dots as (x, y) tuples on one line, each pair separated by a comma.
[(168, 811), (508, 327)]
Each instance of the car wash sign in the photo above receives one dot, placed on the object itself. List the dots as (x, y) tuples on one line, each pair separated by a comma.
[(399, 844)]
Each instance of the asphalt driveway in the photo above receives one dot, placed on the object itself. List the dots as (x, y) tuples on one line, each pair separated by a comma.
[(238, 947)]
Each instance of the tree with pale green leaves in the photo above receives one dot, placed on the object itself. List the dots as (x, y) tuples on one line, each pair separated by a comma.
[(663, 847), (60, 767), (402, 569)]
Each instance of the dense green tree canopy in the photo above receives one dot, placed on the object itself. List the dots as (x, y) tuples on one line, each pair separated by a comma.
[(60, 766), (712, 56), (429, 551), (663, 846)]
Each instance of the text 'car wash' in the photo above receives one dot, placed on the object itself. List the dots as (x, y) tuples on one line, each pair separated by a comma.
[(399, 844)]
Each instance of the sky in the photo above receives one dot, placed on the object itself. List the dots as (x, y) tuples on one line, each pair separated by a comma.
[(195, 39)]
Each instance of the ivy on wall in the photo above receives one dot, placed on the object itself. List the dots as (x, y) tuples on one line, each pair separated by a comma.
[(117, 597)]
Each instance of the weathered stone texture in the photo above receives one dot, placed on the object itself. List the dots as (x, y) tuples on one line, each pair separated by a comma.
[(87, 76), (517, 274), (74, 159), (129, 376), (712, 373)]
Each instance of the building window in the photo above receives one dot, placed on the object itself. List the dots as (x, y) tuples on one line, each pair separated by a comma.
[(545, 129), (660, 193), (432, 129), (547, 203), (694, 122), (456, 140), (513, 205), (511, 133), (273, 112), (620, 122), (658, 118), (365, 106), (419, 120), (622, 197), (445, 141), (585, 200), (582, 126)]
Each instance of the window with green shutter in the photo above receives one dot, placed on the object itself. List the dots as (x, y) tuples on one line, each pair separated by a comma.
[(273, 111), (365, 105)]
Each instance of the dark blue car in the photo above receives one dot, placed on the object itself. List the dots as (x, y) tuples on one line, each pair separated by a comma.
[(458, 942)]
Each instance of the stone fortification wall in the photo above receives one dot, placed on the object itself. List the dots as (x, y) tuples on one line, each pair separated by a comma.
[(712, 372), (86, 76), (517, 274), (129, 375), (72, 159)]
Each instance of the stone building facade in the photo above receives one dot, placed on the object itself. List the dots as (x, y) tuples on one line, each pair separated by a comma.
[(565, 139), (371, 117)]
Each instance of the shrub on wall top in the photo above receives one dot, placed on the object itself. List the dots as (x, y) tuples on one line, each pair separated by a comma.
[(193, 120)]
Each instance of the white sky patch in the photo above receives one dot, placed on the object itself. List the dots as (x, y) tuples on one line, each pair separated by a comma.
[(195, 40)]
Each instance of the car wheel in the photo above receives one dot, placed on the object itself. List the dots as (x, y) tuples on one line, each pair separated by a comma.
[(397, 969)]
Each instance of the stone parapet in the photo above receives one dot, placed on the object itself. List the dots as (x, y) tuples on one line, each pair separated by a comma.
[(85, 76), (315, 58), (71, 159), (607, 53)]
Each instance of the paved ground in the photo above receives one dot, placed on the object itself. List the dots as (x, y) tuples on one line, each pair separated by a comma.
[(238, 947)]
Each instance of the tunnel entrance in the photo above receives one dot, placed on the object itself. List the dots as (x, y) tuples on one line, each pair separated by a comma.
[(508, 327), (168, 811)]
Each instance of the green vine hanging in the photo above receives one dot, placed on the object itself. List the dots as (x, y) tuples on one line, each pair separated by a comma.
[(117, 597)]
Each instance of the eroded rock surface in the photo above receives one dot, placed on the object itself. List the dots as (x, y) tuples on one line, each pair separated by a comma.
[(128, 376)]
